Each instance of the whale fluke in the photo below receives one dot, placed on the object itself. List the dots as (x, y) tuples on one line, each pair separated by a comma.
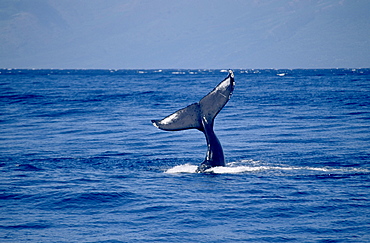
[(201, 116), (185, 118)]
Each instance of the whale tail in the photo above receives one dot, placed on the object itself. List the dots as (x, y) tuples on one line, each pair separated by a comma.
[(207, 108), (201, 116)]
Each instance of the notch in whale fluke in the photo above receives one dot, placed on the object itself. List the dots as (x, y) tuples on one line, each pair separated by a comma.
[(208, 107), (201, 116)]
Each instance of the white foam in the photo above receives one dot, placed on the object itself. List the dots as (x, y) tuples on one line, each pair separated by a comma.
[(234, 168), (230, 169), (186, 168)]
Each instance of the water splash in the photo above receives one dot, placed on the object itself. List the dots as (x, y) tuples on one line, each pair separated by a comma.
[(185, 168), (254, 166)]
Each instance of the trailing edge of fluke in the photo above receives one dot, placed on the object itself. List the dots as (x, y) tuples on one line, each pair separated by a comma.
[(201, 116)]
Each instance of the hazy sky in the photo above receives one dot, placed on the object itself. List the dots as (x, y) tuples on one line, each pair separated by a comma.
[(161, 34)]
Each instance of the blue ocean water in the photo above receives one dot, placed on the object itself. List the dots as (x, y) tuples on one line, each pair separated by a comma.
[(81, 162)]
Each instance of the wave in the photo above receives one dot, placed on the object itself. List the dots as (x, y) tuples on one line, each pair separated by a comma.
[(239, 167), (27, 167)]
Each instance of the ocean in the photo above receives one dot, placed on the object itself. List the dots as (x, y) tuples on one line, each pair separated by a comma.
[(80, 160)]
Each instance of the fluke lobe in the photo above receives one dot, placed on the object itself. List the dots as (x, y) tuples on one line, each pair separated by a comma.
[(201, 116)]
